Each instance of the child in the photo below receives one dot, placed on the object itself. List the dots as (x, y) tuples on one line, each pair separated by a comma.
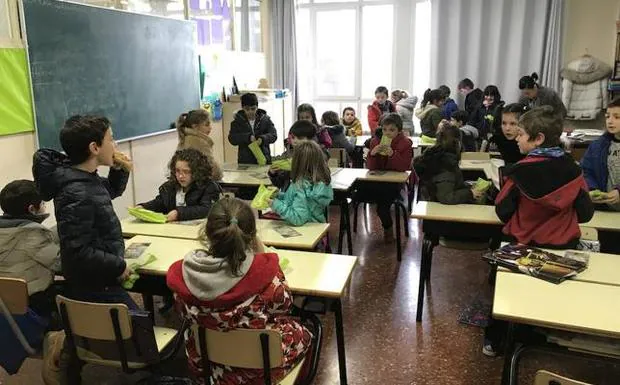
[(395, 157), (449, 107), (301, 130), (306, 112), (438, 169), (251, 124), (601, 163), (29, 250), (469, 134), (473, 96), (189, 192), (429, 112), (505, 140), (234, 284), (194, 128), (489, 115), (336, 131), (351, 123), (533, 95), (380, 106), (91, 240), (545, 195), (405, 105), (310, 192)]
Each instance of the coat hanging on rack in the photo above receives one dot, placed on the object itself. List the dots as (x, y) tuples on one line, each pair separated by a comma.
[(584, 87)]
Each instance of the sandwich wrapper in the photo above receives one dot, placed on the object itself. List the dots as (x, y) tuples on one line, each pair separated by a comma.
[(147, 215), (483, 186), (282, 261), (598, 194), (258, 153), (129, 282), (283, 164), (385, 141), (261, 200), (428, 139)]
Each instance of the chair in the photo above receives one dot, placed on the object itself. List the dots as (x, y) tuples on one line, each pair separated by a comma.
[(475, 156), (104, 334), (262, 349), (544, 377), (337, 157), (14, 301)]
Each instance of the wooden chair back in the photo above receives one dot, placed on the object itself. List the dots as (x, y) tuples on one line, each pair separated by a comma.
[(544, 377), (14, 294)]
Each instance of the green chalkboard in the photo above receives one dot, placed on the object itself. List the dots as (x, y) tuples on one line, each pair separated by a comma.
[(140, 71)]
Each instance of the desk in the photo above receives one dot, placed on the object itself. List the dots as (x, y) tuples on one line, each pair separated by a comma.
[(573, 306), (342, 182), (415, 141), (315, 274), (244, 178), (312, 233), (489, 167), (244, 167)]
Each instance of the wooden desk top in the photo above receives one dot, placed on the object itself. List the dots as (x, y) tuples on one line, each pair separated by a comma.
[(252, 178), (489, 167), (311, 233), (572, 305), (244, 167), (375, 176), (485, 214), (324, 275)]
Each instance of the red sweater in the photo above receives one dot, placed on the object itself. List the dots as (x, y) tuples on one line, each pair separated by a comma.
[(543, 201), (399, 161), (375, 113)]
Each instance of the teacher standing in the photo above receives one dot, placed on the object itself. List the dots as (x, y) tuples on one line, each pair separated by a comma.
[(533, 95)]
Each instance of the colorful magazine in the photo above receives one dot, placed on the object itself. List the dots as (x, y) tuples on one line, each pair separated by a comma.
[(539, 263)]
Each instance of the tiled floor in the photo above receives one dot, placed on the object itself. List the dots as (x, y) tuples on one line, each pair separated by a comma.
[(384, 344)]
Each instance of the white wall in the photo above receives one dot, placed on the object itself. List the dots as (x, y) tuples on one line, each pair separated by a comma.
[(591, 27)]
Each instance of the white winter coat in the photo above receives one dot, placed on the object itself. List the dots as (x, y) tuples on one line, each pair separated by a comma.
[(584, 88)]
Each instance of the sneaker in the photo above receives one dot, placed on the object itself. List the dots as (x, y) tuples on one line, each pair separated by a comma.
[(488, 350), (52, 346)]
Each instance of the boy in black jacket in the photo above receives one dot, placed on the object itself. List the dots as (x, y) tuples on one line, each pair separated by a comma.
[(251, 124), (91, 241)]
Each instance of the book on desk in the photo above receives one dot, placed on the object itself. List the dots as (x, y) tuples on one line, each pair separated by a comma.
[(539, 263)]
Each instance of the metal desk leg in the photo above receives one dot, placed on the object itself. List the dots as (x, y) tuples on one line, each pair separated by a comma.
[(427, 249), (510, 348), (342, 362), (149, 306), (347, 218), (399, 251), (341, 230)]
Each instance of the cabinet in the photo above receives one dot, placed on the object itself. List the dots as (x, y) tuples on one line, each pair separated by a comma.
[(278, 109)]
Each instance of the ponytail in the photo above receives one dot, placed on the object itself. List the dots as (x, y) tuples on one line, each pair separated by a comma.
[(431, 96), (189, 119), (180, 125), (528, 82), (426, 98), (230, 232)]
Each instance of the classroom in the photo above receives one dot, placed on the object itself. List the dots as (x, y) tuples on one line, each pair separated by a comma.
[(401, 192)]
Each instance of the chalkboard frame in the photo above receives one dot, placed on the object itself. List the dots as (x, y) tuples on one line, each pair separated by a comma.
[(120, 135)]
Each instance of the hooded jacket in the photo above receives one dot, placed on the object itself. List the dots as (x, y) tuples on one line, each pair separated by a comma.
[(376, 111), (202, 142), (449, 107), (339, 140), (488, 120), (473, 101), (303, 202), (208, 294), (91, 240), (400, 159), (441, 179), (594, 163), (353, 129), (241, 131), (430, 117), (199, 199), (543, 200), (509, 149), (584, 88), (29, 251), (405, 108)]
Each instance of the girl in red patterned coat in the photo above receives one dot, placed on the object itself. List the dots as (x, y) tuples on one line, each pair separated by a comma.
[(234, 284)]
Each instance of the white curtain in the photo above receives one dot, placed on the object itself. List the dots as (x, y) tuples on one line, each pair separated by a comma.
[(552, 54), (489, 41), (283, 46)]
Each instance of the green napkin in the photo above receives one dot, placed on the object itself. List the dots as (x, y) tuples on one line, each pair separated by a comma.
[(261, 200), (283, 164), (427, 139), (385, 141), (284, 263), (147, 215), (129, 282), (482, 185), (598, 194), (258, 153)]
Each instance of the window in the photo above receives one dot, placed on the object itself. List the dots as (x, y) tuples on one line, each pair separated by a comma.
[(213, 22), (173, 9), (248, 26)]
